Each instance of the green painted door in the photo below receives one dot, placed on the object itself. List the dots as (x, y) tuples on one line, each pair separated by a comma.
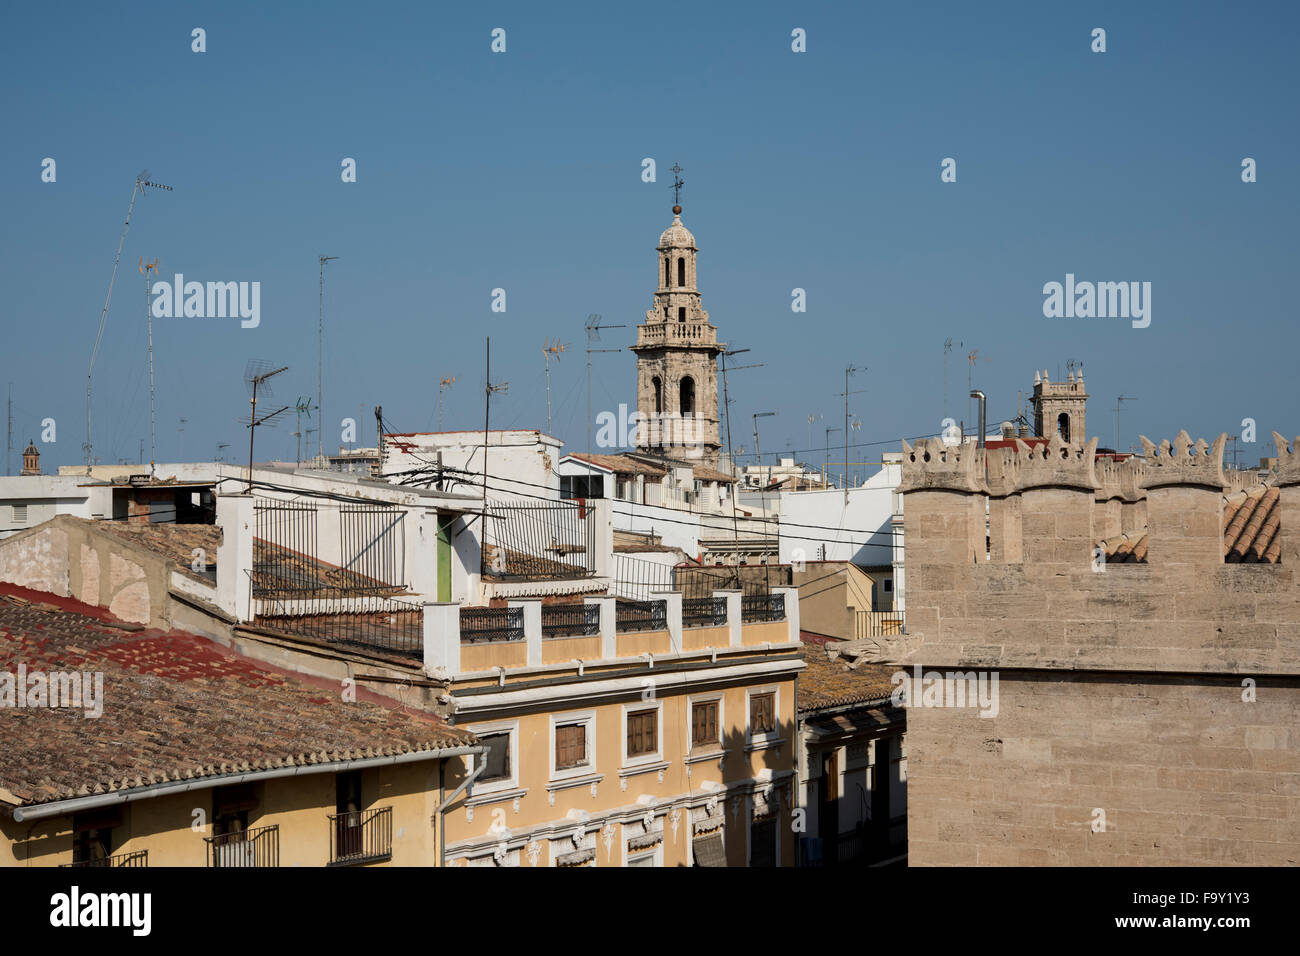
[(444, 556)]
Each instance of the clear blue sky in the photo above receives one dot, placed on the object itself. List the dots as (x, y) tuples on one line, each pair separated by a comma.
[(522, 170)]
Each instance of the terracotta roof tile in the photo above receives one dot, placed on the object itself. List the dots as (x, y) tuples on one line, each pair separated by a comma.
[(832, 683), (1250, 523), (175, 706)]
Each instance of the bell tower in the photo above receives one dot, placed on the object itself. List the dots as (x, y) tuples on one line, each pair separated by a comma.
[(677, 351), (1060, 407)]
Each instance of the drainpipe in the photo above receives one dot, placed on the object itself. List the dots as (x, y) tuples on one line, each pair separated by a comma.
[(442, 807), (976, 393)]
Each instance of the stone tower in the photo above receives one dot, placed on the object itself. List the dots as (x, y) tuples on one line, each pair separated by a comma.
[(31, 460), (1060, 407), (677, 351)]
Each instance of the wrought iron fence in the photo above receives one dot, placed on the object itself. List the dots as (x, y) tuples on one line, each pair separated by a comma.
[(878, 624), (642, 616), (546, 540), (376, 621), (481, 625), (361, 836), (757, 608), (636, 578), (570, 620), (704, 612), (752, 580), (137, 858), (257, 847)]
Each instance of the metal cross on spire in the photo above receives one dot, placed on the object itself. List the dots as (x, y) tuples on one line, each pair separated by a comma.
[(677, 189)]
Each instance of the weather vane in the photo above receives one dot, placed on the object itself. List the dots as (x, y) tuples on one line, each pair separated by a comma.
[(677, 189)]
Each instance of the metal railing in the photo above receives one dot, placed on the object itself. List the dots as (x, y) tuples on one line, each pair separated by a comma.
[(704, 612), (636, 578), (641, 616), (570, 620), (361, 836), (878, 624), (136, 858), (259, 846), (759, 607), (482, 625), (374, 620), (532, 541)]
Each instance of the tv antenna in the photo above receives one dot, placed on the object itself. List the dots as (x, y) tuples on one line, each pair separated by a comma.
[(443, 385), (947, 347), (594, 324), (142, 182), (1119, 405), (490, 388), (257, 375), (549, 350), (145, 269), (303, 407), (320, 351)]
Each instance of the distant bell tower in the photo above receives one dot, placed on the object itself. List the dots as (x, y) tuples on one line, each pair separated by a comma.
[(677, 351), (1060, 407), (31, 460)]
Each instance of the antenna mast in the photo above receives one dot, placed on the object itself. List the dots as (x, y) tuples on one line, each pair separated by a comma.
[(547, 351), (141, 182), (320, 355), (593, 335)]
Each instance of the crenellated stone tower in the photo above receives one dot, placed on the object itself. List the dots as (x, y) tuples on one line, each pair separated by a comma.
[(677, 351)]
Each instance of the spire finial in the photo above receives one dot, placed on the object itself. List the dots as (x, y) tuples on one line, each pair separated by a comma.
[(677, 189)]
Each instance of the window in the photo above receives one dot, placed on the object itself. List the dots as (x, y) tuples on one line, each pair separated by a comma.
[(20, 514), (92, 836), (643, 733), (687, 404), (497, 758), (668, 268), (230, 807), (570, 746), (681, 272), (762, 713), (704, 723), (681, 313), (348, 832), (647, 859), (659, 394), (889, 585), (762, 843), (1063, 426)]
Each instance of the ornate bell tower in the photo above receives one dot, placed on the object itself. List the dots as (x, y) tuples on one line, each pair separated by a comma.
[(677, 351)]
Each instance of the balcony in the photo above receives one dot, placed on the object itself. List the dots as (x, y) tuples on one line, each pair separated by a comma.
[(257, 847), (641, 616), (704, 612), (361, 836), (570, 620), (491, 624), (137, 858), (762, 607)]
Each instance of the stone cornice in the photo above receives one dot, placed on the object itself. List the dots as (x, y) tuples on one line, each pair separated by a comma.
[(1184, 463)]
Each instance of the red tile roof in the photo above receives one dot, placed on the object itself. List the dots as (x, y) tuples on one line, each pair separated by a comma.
[(1250, 523), (835, 682), (176, 706)]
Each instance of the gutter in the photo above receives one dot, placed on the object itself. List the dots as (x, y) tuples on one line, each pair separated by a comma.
[(42, 811), (442, 817)]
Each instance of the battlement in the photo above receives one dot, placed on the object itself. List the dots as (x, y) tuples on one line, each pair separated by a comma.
[(935, 466), (1184, 462), (1057, 464), (1288, 460)]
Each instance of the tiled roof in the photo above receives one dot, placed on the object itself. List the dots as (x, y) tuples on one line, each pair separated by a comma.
[(828, 682), (176, 542), (1250, 523), (622, 465), (175, 707), (705, 473)]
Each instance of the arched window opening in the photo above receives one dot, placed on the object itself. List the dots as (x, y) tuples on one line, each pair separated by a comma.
[(659, 395), (1063, 426), (681, 272), (668, 269), (681, 313), (687, 404)]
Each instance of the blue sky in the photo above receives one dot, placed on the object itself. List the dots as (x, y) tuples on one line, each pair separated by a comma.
[(522, 170)]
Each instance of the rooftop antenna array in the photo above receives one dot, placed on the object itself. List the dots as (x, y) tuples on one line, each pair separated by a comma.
[(303, 407), (142, 182), (490, 388), (443, 385), (257, 375)]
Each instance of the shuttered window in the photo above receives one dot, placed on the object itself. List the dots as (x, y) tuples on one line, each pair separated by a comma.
[(704, 723), (497, 758), (643, 733), (762, 713), (570, 746)]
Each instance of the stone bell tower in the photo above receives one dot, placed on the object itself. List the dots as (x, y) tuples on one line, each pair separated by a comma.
[(677, 351), (1060, 407)]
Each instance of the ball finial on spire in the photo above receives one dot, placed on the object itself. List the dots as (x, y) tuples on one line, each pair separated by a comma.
[(677, 210)]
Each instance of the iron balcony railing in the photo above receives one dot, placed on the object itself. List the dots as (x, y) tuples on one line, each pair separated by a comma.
[(540, 541), (375, 620), (762, 607), (257, 847), (642, 616), (481, 625), (704, 612), (137, 858), (636, 578), (570, 620), (361, 836), (878, 624)]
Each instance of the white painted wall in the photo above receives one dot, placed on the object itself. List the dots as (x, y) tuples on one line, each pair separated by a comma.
[(48, 495), (859, 532), (520, 463)]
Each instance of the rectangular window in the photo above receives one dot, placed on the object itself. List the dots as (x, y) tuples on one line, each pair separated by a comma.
[(889, 585), (643, 733), (348, 831), (497, 758), (762, 843), (92, 838), (570, 746), (20, 514), (704, 723), (762, 713), (230, 807)]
